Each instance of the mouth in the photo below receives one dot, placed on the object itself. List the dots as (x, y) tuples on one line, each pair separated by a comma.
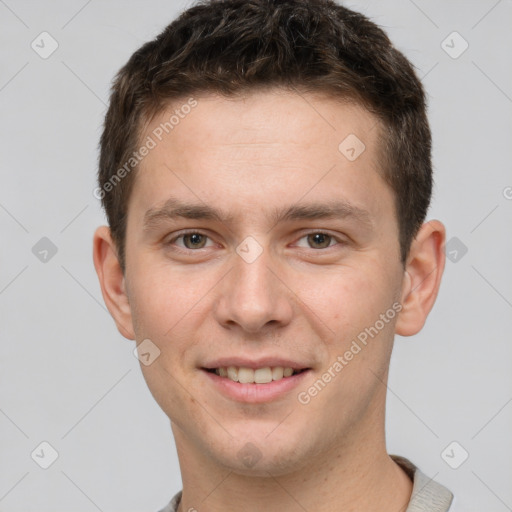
[(261, 382), (263, 375)]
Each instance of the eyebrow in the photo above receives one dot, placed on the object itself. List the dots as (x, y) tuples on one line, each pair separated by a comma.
[(174, 209)]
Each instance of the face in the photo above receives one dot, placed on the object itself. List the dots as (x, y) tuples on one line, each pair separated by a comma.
[(255, 245)]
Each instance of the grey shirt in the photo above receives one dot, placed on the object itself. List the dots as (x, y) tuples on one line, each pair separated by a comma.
[(427, 495)]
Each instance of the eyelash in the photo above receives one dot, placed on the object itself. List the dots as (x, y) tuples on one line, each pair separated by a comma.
[(199, 232)]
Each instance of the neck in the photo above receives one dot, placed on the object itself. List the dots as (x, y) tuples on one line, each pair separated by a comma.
[(356, 475)]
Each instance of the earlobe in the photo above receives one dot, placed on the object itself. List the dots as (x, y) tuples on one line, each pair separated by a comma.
[(422, 277), (112, 281)]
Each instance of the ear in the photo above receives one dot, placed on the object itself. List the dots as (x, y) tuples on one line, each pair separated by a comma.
[(112, 281), (422, 278)]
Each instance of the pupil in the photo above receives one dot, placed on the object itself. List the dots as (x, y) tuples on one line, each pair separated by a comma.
[(195, 239), (320, 239)]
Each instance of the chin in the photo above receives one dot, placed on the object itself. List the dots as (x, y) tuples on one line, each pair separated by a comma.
[(263, 455), (264, 463)]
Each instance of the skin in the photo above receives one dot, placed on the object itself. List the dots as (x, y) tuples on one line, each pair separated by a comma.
[(300, 299)]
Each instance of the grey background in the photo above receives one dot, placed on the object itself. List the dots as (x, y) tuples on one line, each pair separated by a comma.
[(68, 377)]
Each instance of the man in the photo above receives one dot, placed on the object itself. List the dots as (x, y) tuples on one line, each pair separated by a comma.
[(265, 169)]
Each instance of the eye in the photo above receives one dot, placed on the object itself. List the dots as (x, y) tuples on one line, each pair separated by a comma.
[(191, 240), (318, 240)]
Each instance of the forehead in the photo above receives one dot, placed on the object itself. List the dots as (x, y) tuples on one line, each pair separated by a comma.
[(265, 117), (279, 144)]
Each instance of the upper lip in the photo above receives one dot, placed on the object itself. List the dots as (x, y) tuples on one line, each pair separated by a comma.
[(262, 362)]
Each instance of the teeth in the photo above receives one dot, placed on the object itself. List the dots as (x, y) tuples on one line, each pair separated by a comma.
[(263, 375), (245, 375), (277, 373), (232, 373), (251, 376)]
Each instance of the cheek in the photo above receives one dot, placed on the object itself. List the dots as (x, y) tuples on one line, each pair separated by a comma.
[(165, 297), (165, 310), (349, 299), (351, 302)]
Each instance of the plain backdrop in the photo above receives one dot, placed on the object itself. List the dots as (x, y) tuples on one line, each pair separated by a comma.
[(69, 379)]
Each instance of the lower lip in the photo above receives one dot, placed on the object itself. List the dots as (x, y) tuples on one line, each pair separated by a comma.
[(256, 393)]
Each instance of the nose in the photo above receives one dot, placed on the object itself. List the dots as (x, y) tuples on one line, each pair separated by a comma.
[(254, 296)]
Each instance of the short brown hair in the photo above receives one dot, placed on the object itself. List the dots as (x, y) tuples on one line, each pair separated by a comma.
[(231, 46)]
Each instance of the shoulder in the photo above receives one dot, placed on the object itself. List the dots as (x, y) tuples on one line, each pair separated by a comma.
[(427, 494), (172, 506)]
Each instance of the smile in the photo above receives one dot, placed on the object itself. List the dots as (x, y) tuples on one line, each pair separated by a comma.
[(263, 375), (255, 385)]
